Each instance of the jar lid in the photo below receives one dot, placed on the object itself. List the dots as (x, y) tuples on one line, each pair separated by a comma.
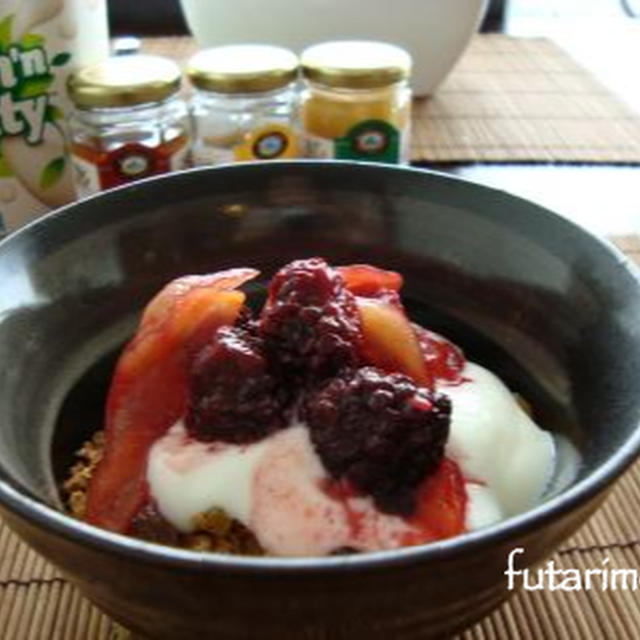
[(122, 81), (242, 68), (355, 64)]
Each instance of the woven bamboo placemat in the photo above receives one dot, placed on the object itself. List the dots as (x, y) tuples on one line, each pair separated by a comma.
[(508, 100), (37, 602), (523, 100)]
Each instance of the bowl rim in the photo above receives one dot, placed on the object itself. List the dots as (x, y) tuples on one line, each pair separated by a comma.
[(21, 505)]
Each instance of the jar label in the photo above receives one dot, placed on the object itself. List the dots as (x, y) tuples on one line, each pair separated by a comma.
[(269, 142), (95, 170), (370, 140)]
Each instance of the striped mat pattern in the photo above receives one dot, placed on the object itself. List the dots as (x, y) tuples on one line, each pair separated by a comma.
[(523, 100)]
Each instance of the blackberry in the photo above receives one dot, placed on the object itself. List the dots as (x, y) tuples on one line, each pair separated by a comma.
[(246, 320), (234, 397), (379, 432), (310, 321)]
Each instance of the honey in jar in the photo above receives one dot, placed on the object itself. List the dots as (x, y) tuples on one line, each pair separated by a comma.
[(128, 122), (356, 103)]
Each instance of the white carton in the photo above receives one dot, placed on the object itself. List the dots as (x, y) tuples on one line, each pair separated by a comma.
[(41, 42)]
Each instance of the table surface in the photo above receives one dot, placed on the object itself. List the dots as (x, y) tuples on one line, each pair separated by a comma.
[(603, 198)]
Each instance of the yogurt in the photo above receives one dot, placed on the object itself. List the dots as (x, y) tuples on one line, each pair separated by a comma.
[(275, 486)]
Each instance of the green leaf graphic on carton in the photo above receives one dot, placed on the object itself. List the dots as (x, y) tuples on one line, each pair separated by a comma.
[(61, 59), (32, 40), (52, 172), (6, 26), (27, 77), (53, 113), (33, 87)]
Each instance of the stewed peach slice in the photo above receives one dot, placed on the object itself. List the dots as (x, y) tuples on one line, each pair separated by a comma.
[(441, 505), (366, 280), (149, 389), (389, 341)]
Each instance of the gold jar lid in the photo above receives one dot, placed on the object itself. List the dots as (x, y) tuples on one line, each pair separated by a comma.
[(242, 68), (123, 81), (355, 64)]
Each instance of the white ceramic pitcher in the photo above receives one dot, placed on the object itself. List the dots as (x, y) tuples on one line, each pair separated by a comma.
[(435, 32)]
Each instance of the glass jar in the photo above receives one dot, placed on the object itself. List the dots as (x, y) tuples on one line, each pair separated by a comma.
[(356, 103), (245, 104), (128, 122)]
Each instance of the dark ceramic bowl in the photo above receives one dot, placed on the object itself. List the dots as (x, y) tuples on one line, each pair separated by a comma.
[(550, 308)]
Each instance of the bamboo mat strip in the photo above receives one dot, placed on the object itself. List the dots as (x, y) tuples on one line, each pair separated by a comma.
[(518, 99), (37, 602), (508, 100)]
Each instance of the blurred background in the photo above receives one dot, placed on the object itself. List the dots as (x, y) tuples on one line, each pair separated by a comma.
[(543, 102), (582, 27), (602, 36)]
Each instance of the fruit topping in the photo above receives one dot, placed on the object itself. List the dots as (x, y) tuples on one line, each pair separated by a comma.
[(149, 389), (365, 280), (389, 341), (444, 359), (441, 505), (380, 432), (233, 395), (334, 344), (310, 321)]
